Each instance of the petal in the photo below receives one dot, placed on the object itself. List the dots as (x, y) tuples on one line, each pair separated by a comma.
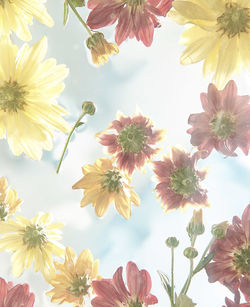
[(135, 280), (119, 284), (246, 222)]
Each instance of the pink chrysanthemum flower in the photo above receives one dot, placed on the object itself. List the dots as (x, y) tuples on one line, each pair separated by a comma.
[(225, 124), (136, 18), (18, 295), (179, 181), (113, 292), (132, 141), (231, 263), (230, 303)]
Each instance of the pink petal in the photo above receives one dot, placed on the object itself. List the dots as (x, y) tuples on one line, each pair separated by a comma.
[(101, 302), (214, 98), (228, 95), (246, 222), (163, 168), (245, 288), (150, 300), (180, 158), (3, 290), (124, 26), (165, 6), (119, 284), (134, 279), (105, 289), (147, 284)]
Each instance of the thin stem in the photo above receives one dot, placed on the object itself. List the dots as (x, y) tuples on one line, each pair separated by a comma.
[(67, 142), (172, 275), (79, 17)]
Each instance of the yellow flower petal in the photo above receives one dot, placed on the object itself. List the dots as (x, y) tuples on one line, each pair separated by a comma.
[(193, 11), (244, 46)]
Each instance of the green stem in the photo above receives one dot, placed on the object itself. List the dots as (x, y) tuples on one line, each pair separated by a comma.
[(172, 276), (79, 17), (67, 142)]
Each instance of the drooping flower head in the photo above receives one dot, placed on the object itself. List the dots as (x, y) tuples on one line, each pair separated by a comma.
[(104, 184), (17, 295), (74, 278), (28, 88), (9, 202), (220, 35), (179, 181), (231, 262), (136, 18), (131, 141), (225, 124), (113, 292), (17, 15), (29, 240), (100, 48)]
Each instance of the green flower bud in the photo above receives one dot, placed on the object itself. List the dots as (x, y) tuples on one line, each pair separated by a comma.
[(219, 230), (172, 242), (195, 226), (88, 107), (190, 252)]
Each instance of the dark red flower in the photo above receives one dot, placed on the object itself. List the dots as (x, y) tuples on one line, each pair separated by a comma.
[(113, 292), (136, 18), (179, 181), (15, 296), (131, 142), (231, 263), (225, 124)]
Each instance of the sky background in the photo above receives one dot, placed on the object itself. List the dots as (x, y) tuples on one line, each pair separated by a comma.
[(152, 80)]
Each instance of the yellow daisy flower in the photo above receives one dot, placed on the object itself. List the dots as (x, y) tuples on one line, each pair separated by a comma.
[(8, 200), (74, 279), (220, 35), (103, 184), (16, 15), (28, 88), (30, 240)]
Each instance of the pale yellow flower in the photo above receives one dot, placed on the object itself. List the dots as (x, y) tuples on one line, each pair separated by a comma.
[(32, 240), (220, 35), (17, 15), (73, 280), (28, 87), (9, 201), (103, 184)]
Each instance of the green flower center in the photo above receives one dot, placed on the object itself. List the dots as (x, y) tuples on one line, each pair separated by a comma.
[(112, 181), (184, 181), (3, 212), (79, 286), (135, 2), (135, 304), (132, 138), (222, 124), (234, 20), (12, 97), (34, 236), (242, 260)]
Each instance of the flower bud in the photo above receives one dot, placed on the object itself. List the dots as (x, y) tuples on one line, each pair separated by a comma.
[(195, 226), (219, 230), (88, 107), (190, 252), (172, 242)]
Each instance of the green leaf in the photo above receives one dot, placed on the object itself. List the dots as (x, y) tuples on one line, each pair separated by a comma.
[(78, 3), (79, 124), (184, 301), (204, 262), (66, 12), (165, 282)]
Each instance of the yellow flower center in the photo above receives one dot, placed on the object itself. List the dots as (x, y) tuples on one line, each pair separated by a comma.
[(3, 212), (79, 286), (12, 97), (34, 236), (132, 138), (223, 124), (241, 260), (112, 181), (183, 181), (234, 20)]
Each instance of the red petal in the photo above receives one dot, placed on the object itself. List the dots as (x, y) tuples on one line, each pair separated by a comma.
[(119, 284), (246, 222), (245, 288), (134, 279)]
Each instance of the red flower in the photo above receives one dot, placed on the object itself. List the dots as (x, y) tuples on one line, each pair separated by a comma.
[(131, 143), (136, 18), (230, 303), (15, 296), (225, 124), (113, 292), (179, 181), (231, 263)]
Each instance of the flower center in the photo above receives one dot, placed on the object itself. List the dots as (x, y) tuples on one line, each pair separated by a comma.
[(34, 236), (12, 97), (135, 304), (112, 181), (135, 2), (184, 181), (242, 260), (79, 286), (3, 212), (234, 20), (223, 124), (132, 138)]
